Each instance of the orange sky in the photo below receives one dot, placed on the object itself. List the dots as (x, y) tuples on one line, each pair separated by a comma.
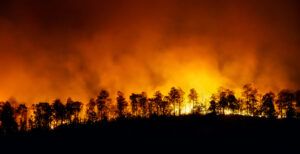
[(59, 48)]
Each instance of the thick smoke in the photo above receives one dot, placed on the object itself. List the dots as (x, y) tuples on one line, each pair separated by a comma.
[(61, 48)]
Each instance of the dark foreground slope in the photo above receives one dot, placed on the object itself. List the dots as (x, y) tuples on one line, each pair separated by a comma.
[(165, 134)]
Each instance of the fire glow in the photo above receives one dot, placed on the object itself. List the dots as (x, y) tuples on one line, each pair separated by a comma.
[(73, 49)]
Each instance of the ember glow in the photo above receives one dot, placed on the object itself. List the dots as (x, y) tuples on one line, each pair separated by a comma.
[(71, 48)]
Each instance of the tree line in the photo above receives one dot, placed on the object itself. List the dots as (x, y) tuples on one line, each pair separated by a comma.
[(44, 115)]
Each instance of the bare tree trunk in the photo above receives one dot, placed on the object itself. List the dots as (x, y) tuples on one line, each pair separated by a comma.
[(193, 106), (174, 108), (179, 105)]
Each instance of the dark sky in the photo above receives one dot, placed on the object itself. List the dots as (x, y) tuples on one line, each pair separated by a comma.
[(60, 48)]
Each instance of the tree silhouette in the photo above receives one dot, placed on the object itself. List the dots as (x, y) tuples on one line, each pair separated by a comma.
[(102, 104), (213, 105), (285, 103), (73, 108), (223, 103), (134, 103), (291, 112), (47, 116), (250, 95), (69, 110), (297, 98), (267, 107), (59, 112), (8, 123), (143, 103), (233, 103), (176, 98), (199, 109), (31, 123), (22, 112), (173, 95), (90, 112), (166, 106), (158, 101), (43, 115), (139, 104), (193, 97), (121, 104), (151, 106), (77, 106)]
